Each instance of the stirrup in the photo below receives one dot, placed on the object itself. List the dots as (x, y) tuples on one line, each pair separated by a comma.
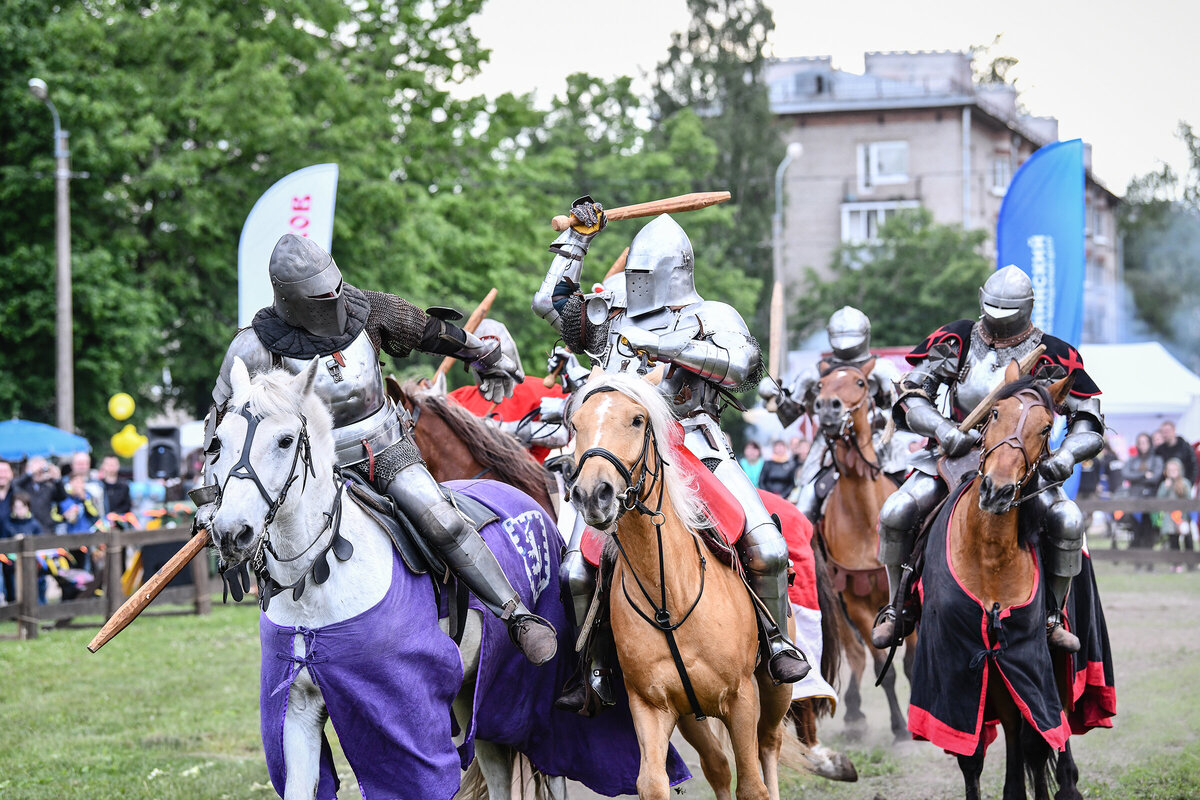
[(788, 665), (881, 637), (588, 697)]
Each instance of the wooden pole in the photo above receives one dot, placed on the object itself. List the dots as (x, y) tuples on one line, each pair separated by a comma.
[(669, 205), (776, 349), (472, 323), (140, 599), (27, 586)]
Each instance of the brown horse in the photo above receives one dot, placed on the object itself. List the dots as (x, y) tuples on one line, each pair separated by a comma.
[(458, 445), (849, 530), (685, 631), (994, 564)]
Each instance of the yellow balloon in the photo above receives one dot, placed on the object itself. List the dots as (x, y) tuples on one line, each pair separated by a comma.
[(120, 406), (127, 442)]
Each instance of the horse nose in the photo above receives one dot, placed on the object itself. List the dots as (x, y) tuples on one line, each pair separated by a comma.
[(244, 537), (603, 494), (836, 403)]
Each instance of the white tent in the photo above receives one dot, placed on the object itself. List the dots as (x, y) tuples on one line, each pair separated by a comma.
[(1142, 385)]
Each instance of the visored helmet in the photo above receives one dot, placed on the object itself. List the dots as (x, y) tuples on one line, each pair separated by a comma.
[(308, 286), (1006, 302), (660, 269), (849, 334)]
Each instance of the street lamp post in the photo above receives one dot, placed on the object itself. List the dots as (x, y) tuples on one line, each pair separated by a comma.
[(778, 295), (65, 362)]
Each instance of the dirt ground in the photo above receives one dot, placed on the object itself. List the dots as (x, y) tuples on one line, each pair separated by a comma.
[(1154, 629)]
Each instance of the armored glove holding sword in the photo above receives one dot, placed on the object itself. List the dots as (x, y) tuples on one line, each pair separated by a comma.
[(710, 351), (316, 315), (968, 359)]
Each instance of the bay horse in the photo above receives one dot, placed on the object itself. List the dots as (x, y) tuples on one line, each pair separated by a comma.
[(674, 616), (457, 445), (849, 529), (339, 603), (982, 654)]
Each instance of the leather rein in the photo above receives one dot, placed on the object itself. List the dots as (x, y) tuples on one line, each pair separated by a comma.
[(634, 498), (1015, 441), (848, 433)]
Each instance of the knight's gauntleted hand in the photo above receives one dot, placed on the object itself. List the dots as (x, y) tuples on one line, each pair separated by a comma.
[(769, 388), (497, 375), (590, 215), (550, 409), (1058, 467), (955, 443)]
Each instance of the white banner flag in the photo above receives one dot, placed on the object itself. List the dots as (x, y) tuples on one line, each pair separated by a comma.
[(300, 203)]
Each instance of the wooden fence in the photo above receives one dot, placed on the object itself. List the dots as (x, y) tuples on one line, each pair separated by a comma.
[(29, 615), (1139, 505)]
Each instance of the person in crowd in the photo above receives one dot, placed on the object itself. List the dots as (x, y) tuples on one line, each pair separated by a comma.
[(1174, 447), (751, 461), (1143, 473), (7, 587), (779, 473), (22, 522), (41, 484), (79, 510), (117, 499), (800, 448), (1175, 526), (1156, 439)]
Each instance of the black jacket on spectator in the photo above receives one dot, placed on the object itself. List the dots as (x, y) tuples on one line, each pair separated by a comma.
[(778, 476), (116, 497), (43, 496), (1184, 452)]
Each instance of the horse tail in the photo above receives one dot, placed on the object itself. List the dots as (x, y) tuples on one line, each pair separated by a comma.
[(831, 622), (532, 783)]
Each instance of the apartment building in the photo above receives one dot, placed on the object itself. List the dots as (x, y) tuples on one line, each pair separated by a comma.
[(915, 130)]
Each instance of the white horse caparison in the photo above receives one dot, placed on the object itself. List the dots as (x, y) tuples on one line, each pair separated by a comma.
[(238, 527)]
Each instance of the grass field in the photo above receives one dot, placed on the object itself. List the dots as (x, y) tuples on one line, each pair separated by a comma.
[(169, 709)]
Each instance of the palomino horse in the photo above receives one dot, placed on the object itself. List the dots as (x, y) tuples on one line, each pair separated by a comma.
[(849, 529), (340, 604), (685, 634), (457, 445), (982, 653)]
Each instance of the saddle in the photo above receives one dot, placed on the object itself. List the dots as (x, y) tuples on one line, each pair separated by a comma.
[(414, 550)]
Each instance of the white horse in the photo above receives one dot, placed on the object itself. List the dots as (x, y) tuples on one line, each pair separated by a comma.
[(281, 509)]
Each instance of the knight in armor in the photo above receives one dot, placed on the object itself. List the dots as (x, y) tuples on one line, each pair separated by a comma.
[(968, 359), (850, 344), (711, 354), (316, 315)]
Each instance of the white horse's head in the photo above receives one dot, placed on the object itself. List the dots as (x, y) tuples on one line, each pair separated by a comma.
[(274, 442)]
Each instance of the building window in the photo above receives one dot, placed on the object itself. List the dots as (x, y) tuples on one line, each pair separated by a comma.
[(882, 163), (1097, 226), (1001, 174), (861, 221)]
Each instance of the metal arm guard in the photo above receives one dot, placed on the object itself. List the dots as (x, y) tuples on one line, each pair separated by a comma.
[(917, 389), (569, 250), (915, 412), (731, 358)]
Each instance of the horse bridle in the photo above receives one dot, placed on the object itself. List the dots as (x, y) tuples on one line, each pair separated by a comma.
[(634, 498), (1015, 441), (846, 430)]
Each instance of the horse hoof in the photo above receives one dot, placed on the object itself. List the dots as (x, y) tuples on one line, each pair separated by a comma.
[(832, 765)]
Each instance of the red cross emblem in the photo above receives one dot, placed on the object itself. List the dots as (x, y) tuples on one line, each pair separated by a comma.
[(1072, 361)]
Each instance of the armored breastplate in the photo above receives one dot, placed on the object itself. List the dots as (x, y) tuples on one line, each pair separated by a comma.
[(984, 368), (353, 387), (686, 392)]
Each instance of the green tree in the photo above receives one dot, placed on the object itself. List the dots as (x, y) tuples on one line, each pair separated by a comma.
[(917, 275), (715, 69), (1159, 223)]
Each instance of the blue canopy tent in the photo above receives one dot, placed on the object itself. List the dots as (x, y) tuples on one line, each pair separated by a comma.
[(21, 439)]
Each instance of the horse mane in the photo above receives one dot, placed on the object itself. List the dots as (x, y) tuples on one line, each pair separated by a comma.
[(495, 450), (271, 393), (1027, 383), (679, 488)]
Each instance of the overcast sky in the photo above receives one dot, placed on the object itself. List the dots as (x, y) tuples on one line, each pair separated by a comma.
[(1118, 75)]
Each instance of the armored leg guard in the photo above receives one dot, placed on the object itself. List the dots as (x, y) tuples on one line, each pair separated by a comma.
[(465, 553), (591, 687), (1064, 558), (899, 520), (764, 552)]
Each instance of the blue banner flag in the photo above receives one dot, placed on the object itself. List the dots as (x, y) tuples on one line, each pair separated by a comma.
[(1041, 231)]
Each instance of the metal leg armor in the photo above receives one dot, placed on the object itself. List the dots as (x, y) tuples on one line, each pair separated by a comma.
[(416, 492), (1063, 553), (762, 548), (807, 502), (899, 521), (577, 578)]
